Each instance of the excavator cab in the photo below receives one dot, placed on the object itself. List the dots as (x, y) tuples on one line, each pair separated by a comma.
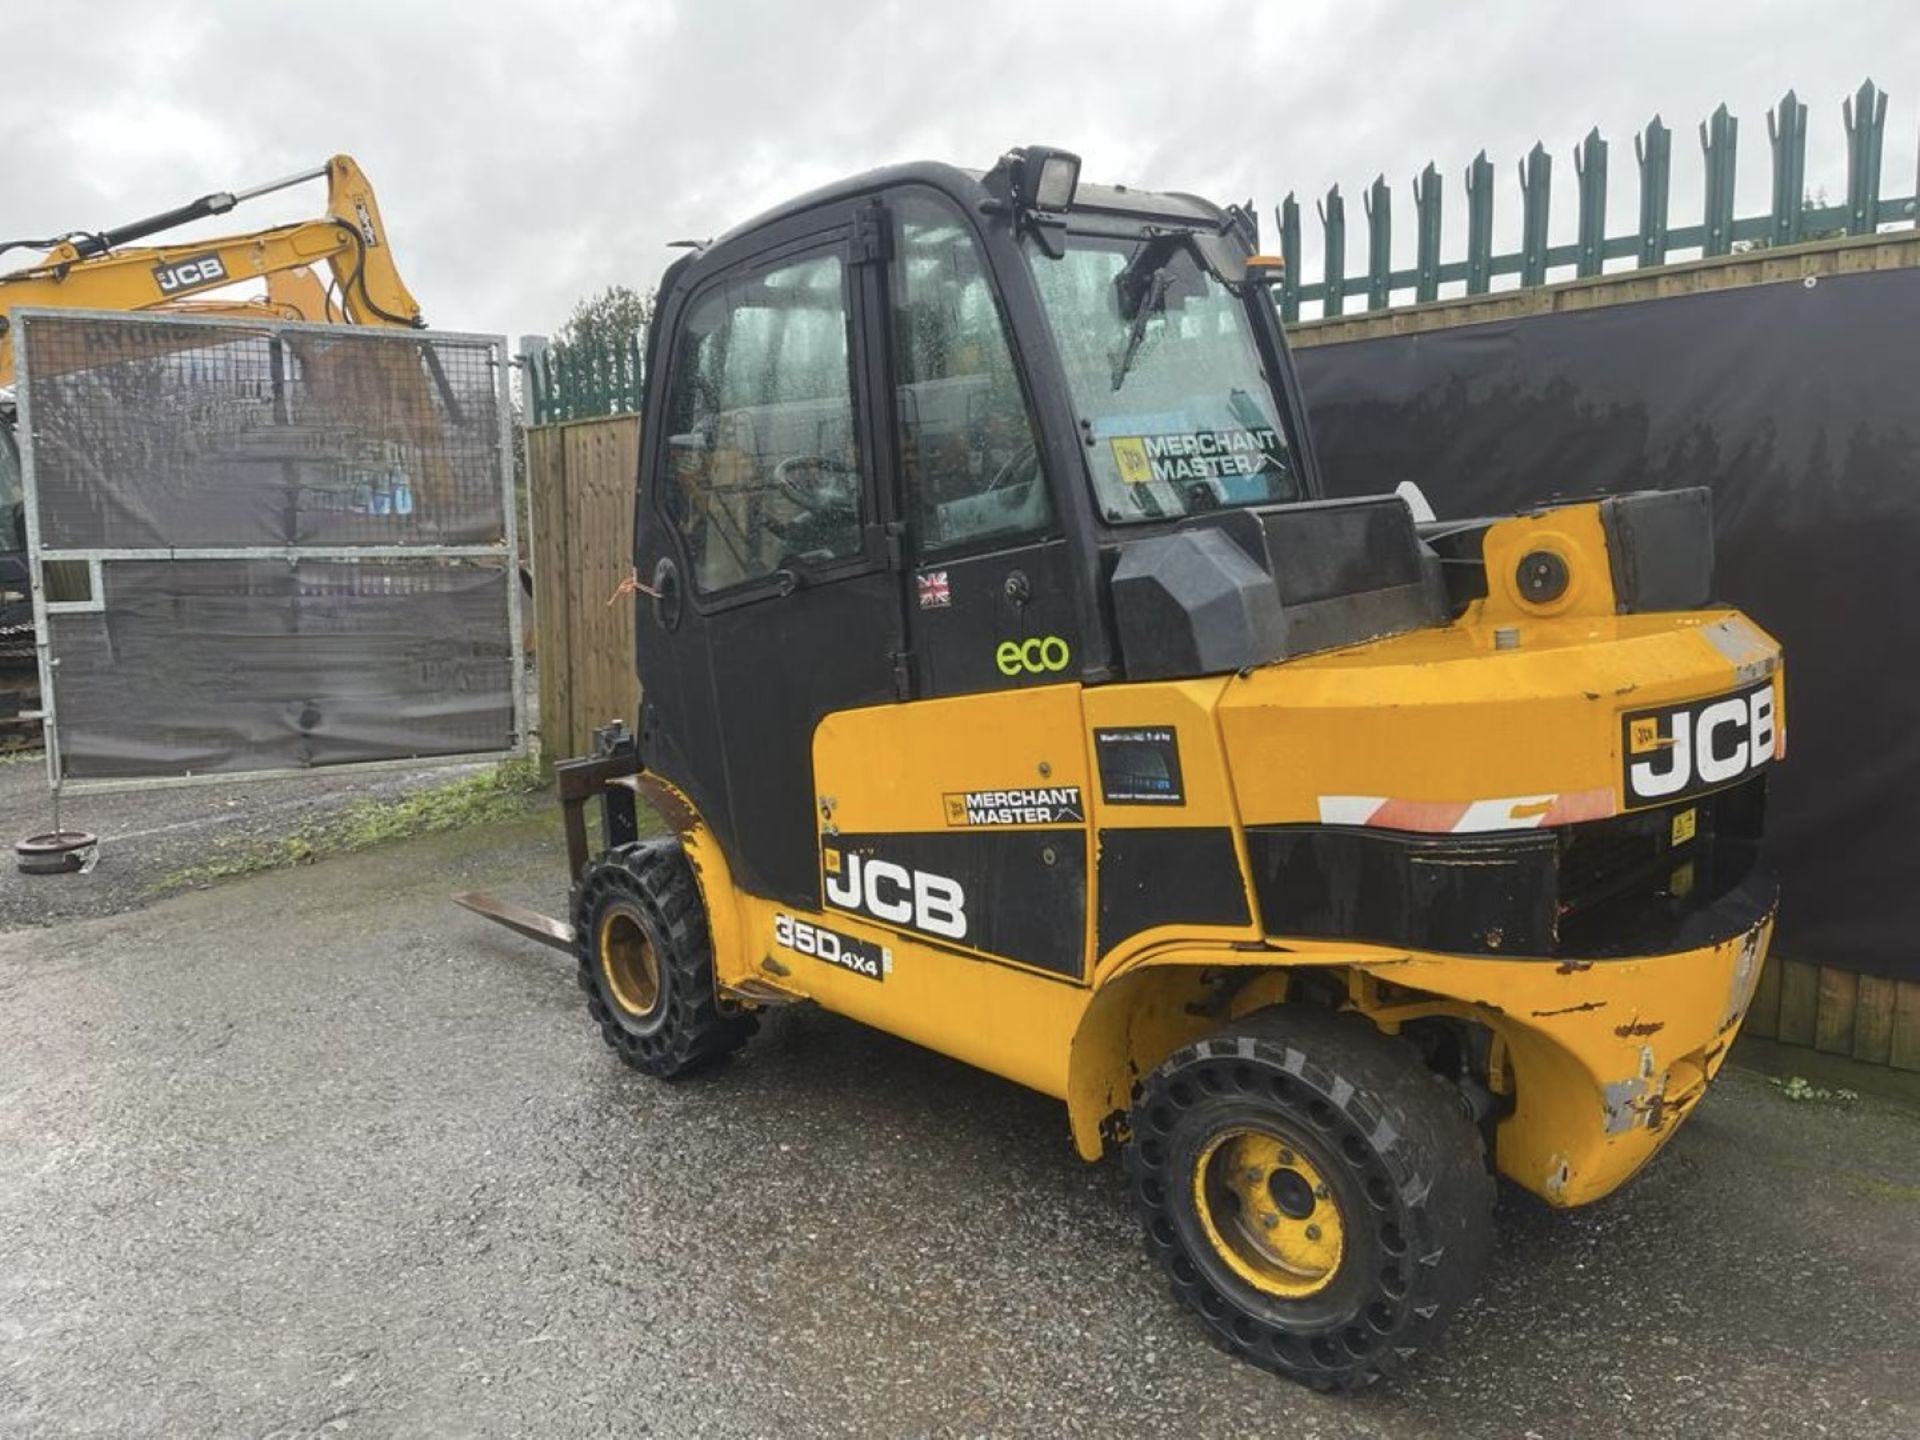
[(1010, 684)]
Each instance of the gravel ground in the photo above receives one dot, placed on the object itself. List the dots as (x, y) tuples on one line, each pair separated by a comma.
[(147, 835), (316, 1153)]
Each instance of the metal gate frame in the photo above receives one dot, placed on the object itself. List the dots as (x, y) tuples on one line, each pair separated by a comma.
[(508, 552)]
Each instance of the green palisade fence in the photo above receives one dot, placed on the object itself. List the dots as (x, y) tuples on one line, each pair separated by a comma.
[(1791, 219), (579, 382)]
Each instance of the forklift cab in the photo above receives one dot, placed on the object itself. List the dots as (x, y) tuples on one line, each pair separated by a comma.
[(893, 430)]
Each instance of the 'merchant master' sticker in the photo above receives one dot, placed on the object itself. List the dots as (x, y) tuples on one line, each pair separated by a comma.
[(1196, 455)]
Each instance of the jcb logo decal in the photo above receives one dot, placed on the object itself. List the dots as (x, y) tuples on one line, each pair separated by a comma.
[(1032, 657), (1690, 749), (895, 895), (196, 272)]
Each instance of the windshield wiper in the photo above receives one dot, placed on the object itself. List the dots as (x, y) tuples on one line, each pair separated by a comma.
[(1152, 304)]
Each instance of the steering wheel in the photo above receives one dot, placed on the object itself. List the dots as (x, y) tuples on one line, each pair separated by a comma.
[(1020, 468), (818, 484)]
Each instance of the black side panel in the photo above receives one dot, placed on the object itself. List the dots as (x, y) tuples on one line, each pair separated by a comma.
[(1485, 895), (1188, 875), (1648, 883), (1036, 881)]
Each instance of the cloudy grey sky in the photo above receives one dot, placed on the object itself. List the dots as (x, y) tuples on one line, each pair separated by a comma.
[(528, 153)]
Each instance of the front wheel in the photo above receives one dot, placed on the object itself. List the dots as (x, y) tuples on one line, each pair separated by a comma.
[(640, 936), (1313, 1191)]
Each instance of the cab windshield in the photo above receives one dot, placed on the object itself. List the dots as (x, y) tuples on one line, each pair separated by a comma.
[(1166, 379)]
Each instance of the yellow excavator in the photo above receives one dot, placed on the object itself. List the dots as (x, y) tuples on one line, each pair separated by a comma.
[(108, 270), (105, 270)]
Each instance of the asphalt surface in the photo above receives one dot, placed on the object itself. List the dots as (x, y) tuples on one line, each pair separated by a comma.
[(316, 1153)]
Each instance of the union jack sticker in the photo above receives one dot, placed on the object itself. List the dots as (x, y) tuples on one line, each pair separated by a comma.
[(935, 593)]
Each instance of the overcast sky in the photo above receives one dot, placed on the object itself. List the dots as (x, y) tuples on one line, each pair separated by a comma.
[(526, 154)]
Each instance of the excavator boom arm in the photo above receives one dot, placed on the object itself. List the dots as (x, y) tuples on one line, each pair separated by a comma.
[(96, 272)]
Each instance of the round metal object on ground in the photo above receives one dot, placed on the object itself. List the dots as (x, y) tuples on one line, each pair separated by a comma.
[(630, 963), (54, 852), (1268, 1213)]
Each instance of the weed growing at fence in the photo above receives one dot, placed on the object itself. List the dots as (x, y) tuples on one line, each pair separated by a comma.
[(501, 792)]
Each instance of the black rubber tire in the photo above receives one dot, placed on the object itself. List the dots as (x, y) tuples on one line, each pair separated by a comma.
[(1397, 1151), (687, 1027)]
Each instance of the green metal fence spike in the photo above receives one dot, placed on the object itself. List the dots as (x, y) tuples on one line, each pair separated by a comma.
[(1536, 182), (1590, 165), (1787, 133), (1479, 224), (1719, 136), (1866, 117), (1653, 148), (1333, 220), (1379, 206), (1290, 278), (1426, 230)]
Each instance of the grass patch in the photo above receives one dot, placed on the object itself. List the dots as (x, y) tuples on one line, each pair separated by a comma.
[(503, 792), (1803, 1092), (1884, 1189)]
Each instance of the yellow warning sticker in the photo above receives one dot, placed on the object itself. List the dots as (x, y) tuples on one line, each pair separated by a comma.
[(1643, 734), (1680, 884), (1130, 455), (831, 859), (1685, 824)]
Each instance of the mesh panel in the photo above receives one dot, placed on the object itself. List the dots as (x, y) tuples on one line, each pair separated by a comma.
[(153, 434)]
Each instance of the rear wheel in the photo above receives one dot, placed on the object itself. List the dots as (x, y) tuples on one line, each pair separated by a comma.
[(640, 936), (1313, 1191)]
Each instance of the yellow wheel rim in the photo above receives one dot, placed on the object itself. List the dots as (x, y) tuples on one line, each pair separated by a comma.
[(1268, 1213), (628, 962)]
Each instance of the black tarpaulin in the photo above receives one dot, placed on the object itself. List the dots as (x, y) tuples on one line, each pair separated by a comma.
[(1798, 404), (197, 667)]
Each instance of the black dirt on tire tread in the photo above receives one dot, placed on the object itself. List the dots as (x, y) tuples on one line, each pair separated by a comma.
[(698, 1030), (1428, 1150)]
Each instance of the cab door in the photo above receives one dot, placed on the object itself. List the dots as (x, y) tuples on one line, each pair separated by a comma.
[(961, 819), (763, 535), (993, 596)]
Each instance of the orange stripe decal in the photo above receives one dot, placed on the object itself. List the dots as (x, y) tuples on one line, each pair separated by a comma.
[(1436, 816)]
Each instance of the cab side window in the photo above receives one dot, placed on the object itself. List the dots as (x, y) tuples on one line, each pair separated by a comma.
[(969, 452), (764, 473)]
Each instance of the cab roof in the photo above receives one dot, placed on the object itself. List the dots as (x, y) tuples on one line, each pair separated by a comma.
[(972, 188)]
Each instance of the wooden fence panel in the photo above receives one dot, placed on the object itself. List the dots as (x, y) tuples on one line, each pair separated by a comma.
[(581, 482)]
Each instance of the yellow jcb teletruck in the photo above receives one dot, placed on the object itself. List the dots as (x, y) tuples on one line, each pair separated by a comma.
[(1010, 686)]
